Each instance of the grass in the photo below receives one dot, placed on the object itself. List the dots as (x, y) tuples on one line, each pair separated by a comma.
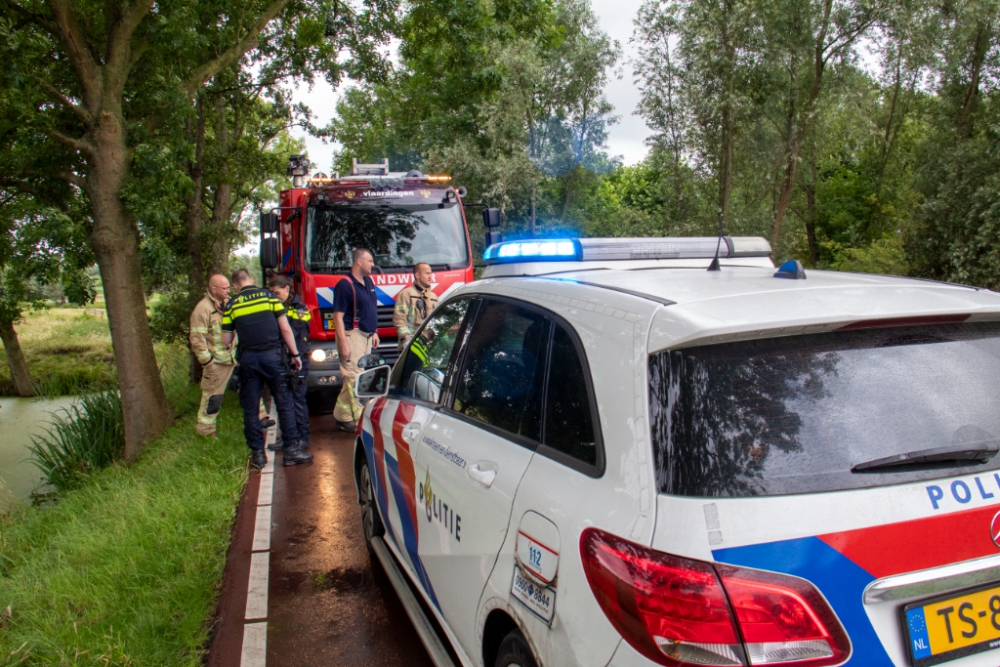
[(86, 437), (68, 350), (125, 569)]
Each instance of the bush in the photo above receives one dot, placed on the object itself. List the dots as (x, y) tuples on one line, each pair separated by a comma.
[(87, 436)]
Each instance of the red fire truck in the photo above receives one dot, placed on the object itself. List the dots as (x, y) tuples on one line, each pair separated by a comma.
[(403, 218)]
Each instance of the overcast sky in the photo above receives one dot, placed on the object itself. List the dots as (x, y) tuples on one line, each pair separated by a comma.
[(625, 139)]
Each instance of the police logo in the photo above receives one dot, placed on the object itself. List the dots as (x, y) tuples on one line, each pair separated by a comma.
[(425, 193), (349, 194)]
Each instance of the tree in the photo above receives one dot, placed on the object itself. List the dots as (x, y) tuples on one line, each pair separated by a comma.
[(116, 75)]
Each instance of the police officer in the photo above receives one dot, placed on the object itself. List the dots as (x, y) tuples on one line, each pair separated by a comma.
[(217, 360), (298, 318), (355, 310), (414, 303), (258, 316)]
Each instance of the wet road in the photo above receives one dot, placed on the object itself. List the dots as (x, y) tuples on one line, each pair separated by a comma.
[(330, 603)]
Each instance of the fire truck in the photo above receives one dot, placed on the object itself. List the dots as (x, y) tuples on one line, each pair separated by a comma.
[(402, 217)]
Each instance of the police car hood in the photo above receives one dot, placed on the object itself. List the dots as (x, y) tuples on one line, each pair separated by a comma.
[(737, 303)]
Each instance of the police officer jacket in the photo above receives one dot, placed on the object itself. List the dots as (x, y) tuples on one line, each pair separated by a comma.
[(205, 334), (298, 318), (253, 314)]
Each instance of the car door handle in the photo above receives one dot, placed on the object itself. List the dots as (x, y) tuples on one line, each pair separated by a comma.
[(484, 477), (411, 431)]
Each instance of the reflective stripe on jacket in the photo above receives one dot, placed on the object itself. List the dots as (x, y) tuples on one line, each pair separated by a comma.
[(299, 318), (413, 305), (205, 336)]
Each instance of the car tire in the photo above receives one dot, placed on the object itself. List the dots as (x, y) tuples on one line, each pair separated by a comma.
[(371, 520), (515, 652)]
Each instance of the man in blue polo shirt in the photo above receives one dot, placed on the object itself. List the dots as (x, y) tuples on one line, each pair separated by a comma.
[(355, 309)]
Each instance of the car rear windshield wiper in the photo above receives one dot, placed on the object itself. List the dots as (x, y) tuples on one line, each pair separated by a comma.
[(980, 453)]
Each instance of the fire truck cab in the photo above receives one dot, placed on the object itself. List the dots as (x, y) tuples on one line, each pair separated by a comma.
[(402, 218)]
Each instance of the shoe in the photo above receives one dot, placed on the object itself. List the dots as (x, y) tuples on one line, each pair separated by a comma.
[(305, 444), (295, 455), (350, 427), (276, 446), (258, 459), (267, 422)]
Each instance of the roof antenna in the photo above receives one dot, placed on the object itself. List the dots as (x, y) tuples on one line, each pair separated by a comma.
[(714, 266)]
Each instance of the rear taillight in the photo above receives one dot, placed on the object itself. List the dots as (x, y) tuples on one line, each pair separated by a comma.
[(677, 611)]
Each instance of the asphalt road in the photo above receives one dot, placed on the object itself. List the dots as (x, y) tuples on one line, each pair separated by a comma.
[(330, 602)]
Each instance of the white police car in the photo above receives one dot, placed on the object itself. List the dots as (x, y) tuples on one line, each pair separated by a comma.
[(603, 454)]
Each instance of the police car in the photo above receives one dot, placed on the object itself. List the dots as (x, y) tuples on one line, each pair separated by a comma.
[(603, 454)]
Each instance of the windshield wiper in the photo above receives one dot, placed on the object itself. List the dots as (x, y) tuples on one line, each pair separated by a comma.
[(980, 453)]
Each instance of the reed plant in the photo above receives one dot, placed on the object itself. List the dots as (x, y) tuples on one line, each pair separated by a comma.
[(85, 437)]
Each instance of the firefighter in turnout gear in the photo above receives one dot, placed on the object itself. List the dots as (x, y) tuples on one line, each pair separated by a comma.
[(414, 303), (259, 318), (298, 319)]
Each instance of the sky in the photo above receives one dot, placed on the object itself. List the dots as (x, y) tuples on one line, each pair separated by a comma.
[(626, 139)]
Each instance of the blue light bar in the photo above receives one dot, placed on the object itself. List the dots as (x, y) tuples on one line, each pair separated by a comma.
[(534, 250)]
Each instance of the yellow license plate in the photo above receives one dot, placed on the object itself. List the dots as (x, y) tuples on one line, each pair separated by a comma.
[(954, 627)]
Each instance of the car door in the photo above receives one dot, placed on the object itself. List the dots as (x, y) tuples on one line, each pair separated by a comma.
[(397, 421), (473, 453)]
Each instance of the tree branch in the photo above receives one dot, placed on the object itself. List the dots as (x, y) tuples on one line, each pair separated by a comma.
[(76, 144), (80, 112), (229, 56), (70, 178), (79, 53), (120, 40)]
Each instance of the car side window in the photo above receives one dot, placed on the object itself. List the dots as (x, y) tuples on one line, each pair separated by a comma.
[(421, 372), (501, 381), (569, 425)]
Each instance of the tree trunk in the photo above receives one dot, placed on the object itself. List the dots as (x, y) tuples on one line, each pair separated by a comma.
[(115, 242), (571, 176), (15, 360), (194, 213), (222, 228), (811, 210), (979, 50)]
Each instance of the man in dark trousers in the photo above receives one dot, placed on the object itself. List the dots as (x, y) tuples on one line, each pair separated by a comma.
[(258, 317), (298, 318), (355, 310)]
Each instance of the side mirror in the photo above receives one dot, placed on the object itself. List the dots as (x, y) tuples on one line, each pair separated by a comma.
[(269, 253), (268, 223), (373, 383), (491, 218)]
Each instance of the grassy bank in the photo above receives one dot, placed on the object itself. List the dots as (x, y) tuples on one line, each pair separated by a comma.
[(125, 569), (67, 349)]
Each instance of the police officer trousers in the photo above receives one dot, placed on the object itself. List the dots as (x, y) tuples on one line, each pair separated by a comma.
[(256, 370), (301, 407)]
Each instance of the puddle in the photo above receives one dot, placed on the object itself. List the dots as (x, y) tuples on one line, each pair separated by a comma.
[(21, 418)]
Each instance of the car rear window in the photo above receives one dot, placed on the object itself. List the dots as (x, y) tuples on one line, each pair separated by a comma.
[(794, 414)]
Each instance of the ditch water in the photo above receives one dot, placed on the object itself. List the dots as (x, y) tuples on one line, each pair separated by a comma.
[(21, 418)]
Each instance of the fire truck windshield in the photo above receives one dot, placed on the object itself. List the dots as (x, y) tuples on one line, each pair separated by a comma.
[(398, 236)]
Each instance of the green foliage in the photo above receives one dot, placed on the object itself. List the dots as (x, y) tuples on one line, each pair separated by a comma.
[(125, 568), (88, 436), (170, 316), (68, 351), (882, 256)]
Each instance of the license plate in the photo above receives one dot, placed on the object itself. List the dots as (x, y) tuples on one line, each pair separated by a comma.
[(955, 626), (538, 600)]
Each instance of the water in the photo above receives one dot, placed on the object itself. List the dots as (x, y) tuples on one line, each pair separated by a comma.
[(20, 418)]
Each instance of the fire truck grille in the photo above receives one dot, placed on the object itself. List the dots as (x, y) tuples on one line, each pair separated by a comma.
[(385, 316)]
